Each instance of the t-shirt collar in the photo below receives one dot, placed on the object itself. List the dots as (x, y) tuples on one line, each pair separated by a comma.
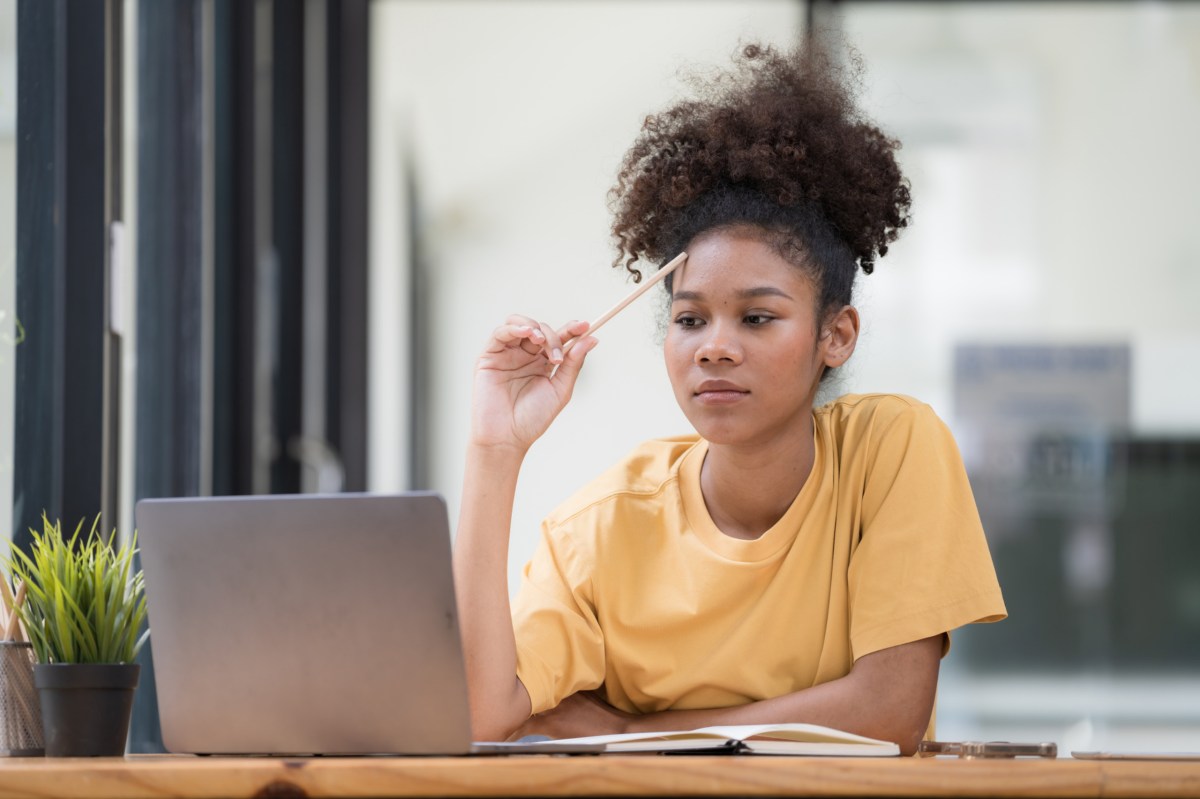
[(771, 543)]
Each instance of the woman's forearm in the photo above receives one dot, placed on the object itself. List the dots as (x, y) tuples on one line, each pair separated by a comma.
[(522, 382), (888, 695), (837, 704), (499, 702)]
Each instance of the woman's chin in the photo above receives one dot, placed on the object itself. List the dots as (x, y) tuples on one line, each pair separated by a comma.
[(727, 435)]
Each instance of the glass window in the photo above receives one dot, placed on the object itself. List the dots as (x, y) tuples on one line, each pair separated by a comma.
[(502, 157), (1045, 303), (10, 328), (1042, 301)]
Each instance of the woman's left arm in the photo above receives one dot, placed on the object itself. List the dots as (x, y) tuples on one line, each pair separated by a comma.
[(888, 695)]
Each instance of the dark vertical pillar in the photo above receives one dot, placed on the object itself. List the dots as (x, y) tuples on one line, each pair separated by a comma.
[(115, 274), (346, 384), (170, 278), (169, 250), (234, 253), (61, 260), (287, 225), (86, 242), (420, 346), (37, 485)]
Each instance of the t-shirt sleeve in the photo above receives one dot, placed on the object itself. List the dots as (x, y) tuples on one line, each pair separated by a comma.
[(560, 647), (921, 566)]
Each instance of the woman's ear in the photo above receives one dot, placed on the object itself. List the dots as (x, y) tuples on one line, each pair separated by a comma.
[(839, 337)]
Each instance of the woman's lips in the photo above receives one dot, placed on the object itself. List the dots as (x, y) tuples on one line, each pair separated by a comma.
[(720, 392)]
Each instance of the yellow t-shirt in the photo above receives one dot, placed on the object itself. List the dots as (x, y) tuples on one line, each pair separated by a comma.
[(634, 588)]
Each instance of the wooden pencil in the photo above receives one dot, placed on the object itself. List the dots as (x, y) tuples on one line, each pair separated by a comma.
[(654, 280)]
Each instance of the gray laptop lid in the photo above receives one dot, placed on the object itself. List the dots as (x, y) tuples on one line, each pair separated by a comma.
[(304, 624)]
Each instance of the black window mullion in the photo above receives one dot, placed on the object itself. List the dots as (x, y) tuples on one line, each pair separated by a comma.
[(346, 298), (61, 406), (287, 206), (169, 280)]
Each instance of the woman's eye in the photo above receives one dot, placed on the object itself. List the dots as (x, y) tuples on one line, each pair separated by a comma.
[(757, 319), (687, 321)]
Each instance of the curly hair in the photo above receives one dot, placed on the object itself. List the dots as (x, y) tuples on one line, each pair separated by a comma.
[(777, 144)]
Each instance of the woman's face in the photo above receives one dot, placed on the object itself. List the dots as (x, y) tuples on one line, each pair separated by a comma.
[(743, 350)]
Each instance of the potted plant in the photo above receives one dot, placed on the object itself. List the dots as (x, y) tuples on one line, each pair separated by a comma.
[(84, 609)]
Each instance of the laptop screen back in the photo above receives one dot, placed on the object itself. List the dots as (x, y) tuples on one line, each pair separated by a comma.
[(304, 624)]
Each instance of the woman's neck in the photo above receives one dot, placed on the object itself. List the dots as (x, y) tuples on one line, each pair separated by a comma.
[(747, 489)]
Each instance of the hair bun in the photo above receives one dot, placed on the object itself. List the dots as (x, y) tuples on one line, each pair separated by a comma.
[(783, 125)]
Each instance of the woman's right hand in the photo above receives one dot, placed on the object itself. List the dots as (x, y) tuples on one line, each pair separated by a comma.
[(523, 380)]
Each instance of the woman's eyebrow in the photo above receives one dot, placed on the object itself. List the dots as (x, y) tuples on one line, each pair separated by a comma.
[(763, 291), (744, 294)]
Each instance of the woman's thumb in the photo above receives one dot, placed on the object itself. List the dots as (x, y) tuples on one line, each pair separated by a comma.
[(568, 370)]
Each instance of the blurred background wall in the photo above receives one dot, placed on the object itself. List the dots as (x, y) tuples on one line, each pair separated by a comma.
[(1055, 192), (326, 207)]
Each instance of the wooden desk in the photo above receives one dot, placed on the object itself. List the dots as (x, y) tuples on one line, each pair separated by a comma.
[(549, 776)]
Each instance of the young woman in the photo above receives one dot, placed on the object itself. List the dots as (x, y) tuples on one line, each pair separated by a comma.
[(784, 564)]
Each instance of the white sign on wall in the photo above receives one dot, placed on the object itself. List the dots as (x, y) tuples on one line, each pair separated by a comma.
[(1035, 423)]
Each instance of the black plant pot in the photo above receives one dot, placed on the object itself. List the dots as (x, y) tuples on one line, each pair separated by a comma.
[(86, 707)]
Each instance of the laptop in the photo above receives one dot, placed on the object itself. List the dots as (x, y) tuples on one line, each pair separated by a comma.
[(307, 624)]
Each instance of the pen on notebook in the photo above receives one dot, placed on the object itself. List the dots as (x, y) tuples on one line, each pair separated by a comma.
[(654, 280)]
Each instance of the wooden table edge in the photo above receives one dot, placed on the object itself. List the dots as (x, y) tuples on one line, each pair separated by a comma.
[(153, 776)]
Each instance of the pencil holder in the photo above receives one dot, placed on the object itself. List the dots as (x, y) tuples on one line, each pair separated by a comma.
[(20, 711)]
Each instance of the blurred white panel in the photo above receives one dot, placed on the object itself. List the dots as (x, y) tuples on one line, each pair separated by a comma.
[(389, 397), (519, 113), (1051, 152), (1050, 148), (8, 71), (1054, 171)]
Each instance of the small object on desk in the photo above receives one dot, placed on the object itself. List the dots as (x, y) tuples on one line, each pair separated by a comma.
[(971, 750), (20, 711), (533, 739), (1136, 755)]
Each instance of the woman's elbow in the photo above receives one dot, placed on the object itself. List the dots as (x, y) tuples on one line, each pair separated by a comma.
[(909, 738), (498, 721), (493, 726), (900, 685)]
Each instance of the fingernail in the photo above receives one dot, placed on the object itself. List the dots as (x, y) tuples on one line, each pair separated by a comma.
[(556, 355)]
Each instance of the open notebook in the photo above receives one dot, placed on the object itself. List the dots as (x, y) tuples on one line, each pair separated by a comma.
[(763, 739)]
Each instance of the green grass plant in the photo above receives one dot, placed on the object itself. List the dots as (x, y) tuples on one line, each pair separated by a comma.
[(84, 602)]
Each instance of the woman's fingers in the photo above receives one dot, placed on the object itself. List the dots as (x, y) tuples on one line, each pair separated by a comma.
[(553, 345), (535, 337), (576, 329), (572, 330), (524, 379), (517, 332), (568, 370)]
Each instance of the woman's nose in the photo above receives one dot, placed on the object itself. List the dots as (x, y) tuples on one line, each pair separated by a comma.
[(720, 345)]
